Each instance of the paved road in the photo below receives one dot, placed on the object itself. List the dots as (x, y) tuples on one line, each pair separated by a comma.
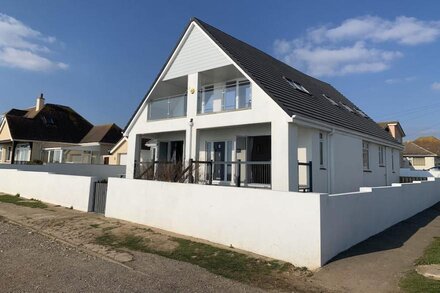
[(30, 262)]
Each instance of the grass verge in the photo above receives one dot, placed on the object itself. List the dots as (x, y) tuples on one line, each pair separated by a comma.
[(31, 203), (414, 282), (237, 266)]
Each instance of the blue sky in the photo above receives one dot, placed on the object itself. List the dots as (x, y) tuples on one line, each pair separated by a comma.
[(100, 57)]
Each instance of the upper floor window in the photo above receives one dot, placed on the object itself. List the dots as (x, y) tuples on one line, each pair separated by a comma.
[(230, 96), (366, 155), (297, 85), (169, 107), (381, 156)]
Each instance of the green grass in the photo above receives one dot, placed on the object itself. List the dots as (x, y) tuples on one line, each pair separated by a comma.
[(431, 254), (22, 202), (414, 282), (219, 261)]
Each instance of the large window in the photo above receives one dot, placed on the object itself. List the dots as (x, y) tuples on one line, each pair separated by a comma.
[(366, 155), (23, 153), (169, 107), (419, 161), (322, 147), (392, 160), (381, 156), (232, 95)]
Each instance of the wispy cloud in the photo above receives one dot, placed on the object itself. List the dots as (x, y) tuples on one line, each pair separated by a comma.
[(25, 48), (435, 86), (400, 80), (353, 46)]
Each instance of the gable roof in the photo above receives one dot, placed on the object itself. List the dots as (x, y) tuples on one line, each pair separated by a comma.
[(412, 149), (270, 74), (109, 133), (429, 143)]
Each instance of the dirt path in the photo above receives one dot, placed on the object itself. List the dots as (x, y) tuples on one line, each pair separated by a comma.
[(31, 262), (377, 264)]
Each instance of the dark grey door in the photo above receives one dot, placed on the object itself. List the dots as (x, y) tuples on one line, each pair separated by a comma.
[(219, 156), (100, 197)]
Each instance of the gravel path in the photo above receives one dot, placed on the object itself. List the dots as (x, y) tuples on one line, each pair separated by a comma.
[(30, 262)]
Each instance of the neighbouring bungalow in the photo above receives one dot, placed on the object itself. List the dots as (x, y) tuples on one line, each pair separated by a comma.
[(230, 114), (49, 133), (118, 154), (422, 153)]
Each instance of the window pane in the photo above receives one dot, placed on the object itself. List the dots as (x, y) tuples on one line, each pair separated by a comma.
[(159, 109), (177, 106), (230, 96), (244, 95), (208, 99)]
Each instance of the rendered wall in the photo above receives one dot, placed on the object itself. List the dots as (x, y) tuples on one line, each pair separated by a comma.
[(282, 225), (64, 190), (347, 219)]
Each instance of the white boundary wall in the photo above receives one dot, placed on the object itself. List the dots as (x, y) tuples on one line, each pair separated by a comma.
[(347, 219), (64, 190), (100, 171), (281, 225), (306, 229)]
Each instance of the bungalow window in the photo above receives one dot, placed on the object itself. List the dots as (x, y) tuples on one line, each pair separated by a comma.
[(366, 155), (392, 160), (419, 161), (169, 107), (322, 146), (1, 154), (23, 152), (381, 156)]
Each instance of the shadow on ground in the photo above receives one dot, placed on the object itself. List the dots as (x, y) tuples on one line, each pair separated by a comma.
[(393, 237)]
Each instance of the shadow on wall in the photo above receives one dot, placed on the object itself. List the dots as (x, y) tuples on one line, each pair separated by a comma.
[(393, 237)]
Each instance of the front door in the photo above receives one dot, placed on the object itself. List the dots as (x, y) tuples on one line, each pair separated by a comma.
[(219, 156)]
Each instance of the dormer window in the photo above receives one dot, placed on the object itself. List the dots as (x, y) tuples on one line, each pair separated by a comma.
[(297, 85)]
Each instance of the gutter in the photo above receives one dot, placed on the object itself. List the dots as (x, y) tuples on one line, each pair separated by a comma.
[(326, 127)]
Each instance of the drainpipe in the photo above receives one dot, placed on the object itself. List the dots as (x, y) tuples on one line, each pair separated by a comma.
[(191, 124)]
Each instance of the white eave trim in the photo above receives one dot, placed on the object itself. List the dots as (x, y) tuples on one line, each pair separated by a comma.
[(121, 141), (329, 127)]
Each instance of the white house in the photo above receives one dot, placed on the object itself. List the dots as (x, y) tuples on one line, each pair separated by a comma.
[(260, 121)]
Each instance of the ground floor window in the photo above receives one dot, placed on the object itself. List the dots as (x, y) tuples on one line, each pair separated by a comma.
[(366, 155), (419, 161), (23, 152)]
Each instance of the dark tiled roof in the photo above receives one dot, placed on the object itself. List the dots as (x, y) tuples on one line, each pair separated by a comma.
[(110, 133), (52, 123), (269, 74), (412, 149)]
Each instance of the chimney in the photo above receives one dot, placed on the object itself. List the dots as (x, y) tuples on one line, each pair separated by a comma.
[(40, 103)]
